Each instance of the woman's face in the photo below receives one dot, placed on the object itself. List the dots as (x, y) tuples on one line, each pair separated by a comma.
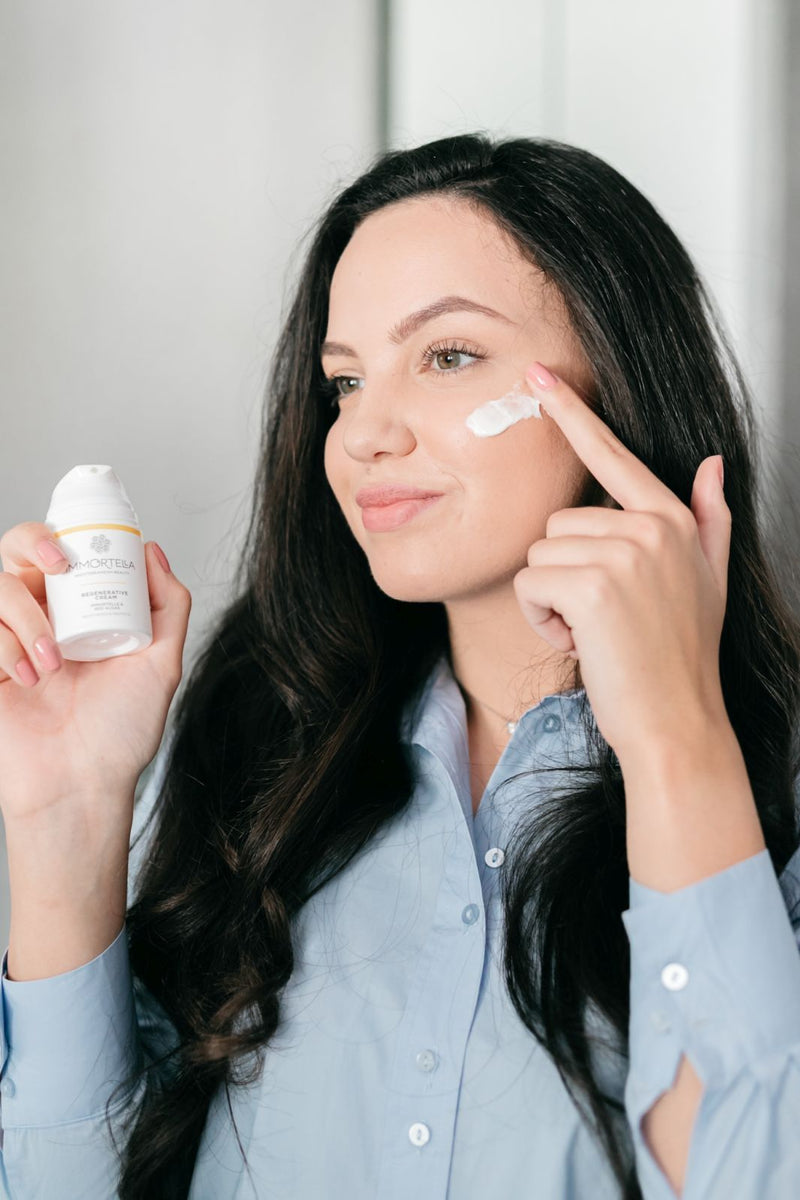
[(406, 393)]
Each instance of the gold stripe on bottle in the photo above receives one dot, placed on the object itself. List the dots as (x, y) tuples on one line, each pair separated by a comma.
[(98, 525)]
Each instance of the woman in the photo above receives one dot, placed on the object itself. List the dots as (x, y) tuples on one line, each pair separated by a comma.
[(470, 861)]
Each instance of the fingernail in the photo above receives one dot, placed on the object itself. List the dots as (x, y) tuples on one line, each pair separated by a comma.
[(26, 673), (50, 553), (721, 473), (541, 375), (48, 653), (161, 556)]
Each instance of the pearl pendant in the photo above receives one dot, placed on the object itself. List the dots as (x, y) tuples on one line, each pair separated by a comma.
[(511, 726)]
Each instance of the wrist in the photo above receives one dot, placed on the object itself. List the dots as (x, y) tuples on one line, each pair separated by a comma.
[(686, 742), (68, 881), (690, 809), (69, 850)]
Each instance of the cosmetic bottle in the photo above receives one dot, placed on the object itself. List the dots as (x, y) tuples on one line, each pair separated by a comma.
[(99, 604)]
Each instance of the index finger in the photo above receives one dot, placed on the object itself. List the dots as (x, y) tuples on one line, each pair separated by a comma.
[(19, 555), (614, 466)]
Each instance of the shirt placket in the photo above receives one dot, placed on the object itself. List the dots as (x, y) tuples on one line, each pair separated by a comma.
[(422, 1093)]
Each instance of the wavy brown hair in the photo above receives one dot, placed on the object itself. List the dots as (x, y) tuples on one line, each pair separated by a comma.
[(285, 755)]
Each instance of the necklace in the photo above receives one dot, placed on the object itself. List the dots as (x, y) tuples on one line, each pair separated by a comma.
[(510, 724)]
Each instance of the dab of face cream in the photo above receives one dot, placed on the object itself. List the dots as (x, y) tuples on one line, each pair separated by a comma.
[(496, 415)]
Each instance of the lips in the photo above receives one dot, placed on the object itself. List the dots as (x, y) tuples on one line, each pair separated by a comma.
[(381, 518), (382, 494)]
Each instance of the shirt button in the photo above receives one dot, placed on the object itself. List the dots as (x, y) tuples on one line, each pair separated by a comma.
[(419, 1134), (8, 1088), (551, 723), (660, 1022), (674, 976), (426, 1060), (470, 914), (494, 857)]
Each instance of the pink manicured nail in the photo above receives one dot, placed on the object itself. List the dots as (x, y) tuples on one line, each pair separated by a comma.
[(50, 553), (26, 673), (161, 556), (541, 375), (48, 653)]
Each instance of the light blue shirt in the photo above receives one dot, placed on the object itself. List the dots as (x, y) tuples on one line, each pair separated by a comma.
[(400, 1070)]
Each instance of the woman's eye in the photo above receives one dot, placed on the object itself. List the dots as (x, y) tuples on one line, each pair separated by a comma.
[(450, 360), (337, 387), (447, 358), (346, 384), (442, 359)]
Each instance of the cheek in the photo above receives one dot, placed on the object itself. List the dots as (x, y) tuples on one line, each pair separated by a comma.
[(339, 472), (508, 463), (332, 459), (516, 480)]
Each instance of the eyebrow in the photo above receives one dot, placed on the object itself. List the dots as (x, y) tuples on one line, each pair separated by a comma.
[(410, 324)]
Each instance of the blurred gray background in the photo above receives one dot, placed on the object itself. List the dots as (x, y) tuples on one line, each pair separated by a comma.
[(161, 164)]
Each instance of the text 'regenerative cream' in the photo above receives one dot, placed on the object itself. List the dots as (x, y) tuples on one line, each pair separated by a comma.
[(99, 606), (496, 415)]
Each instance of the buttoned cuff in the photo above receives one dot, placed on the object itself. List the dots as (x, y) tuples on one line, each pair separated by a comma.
[(67, 1041), (715, 974)]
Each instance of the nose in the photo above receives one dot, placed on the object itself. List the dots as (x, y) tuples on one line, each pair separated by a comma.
[(376, 423)]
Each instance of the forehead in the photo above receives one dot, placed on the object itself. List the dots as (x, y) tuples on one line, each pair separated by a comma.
[(413, 250)]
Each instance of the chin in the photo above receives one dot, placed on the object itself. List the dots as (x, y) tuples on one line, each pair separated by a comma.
[(413, 591), (440, 577), (428, 584), (436, 584)]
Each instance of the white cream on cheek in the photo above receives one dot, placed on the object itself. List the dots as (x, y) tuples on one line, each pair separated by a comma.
[(496, 415)]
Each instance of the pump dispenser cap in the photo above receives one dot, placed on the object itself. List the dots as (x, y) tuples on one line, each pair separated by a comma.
[(91, 490)]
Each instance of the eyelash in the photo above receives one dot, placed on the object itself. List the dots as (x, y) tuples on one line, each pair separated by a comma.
[(332, 393)]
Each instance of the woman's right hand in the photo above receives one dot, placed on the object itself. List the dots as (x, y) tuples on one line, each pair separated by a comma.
[(85, 730)]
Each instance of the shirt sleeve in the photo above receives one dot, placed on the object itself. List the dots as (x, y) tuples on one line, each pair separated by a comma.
[(715, 975), (66, 1043)]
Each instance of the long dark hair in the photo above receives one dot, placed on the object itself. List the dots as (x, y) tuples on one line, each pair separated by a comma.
[(286, 755)]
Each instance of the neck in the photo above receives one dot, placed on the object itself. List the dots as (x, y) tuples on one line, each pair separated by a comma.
[(500, 663)]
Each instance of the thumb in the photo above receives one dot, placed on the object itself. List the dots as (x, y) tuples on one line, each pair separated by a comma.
[(170, 605), (713, 517)]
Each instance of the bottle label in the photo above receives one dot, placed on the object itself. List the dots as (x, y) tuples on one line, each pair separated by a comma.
[(104, 586)]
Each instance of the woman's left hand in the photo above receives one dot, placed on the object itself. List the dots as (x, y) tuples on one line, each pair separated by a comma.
[(639, 594)]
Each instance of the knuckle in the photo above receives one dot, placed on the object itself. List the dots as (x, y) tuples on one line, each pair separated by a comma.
[(534, 553), (597, 587), (630, 554), (653, 531)]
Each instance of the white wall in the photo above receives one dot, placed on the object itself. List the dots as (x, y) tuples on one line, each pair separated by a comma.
[(684, 98), (159, 164)]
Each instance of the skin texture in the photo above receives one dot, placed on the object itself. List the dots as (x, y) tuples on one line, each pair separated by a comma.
[(405, 423)]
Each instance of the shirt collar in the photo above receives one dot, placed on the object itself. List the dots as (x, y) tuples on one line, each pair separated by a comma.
[(551, 732), (440, 709)]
